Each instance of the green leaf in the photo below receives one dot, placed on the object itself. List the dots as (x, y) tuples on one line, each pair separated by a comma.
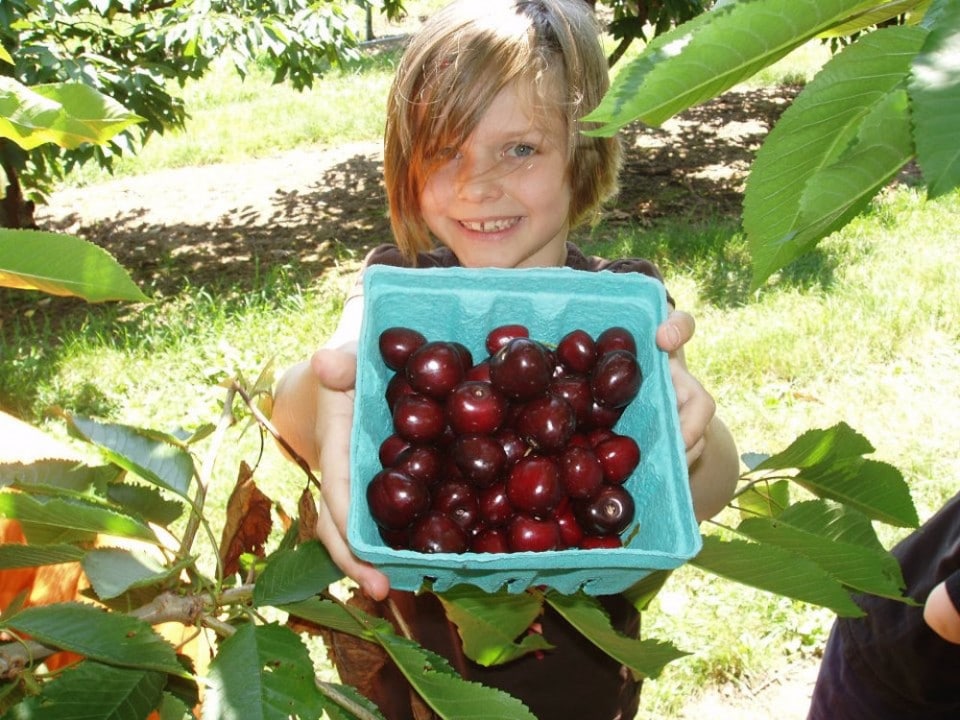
[(769, 568), (146, 502), (111, 638), (92, 691), (489, 623), (262, 672), (154, 456), (708, 55), (48, 474), (334, 616), (840, 540), (642, 592), (68, 114), (113, 571), (347, 703), (935, 94), (22, 556), (294, 575), (831, 466), (842, 137), (764, 499), (646, 658), (63, 265), (173, 708), (446, 692), (61, 519)]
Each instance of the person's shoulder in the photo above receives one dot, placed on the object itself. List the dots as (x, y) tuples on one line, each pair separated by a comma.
[(578, 260), (390, 254)]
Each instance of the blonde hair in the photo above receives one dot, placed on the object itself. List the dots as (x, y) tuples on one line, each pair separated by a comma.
[(455, 66)]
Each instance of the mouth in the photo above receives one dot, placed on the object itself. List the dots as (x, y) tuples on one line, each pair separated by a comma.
[(490, 226)]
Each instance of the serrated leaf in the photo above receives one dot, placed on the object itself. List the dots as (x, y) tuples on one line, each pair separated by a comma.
[(840, 540), (772, 569), (935, 94), (645, 657), (333, 615), (445, 691), (63, 265), (114, 571), (294, 575), (65, 518), (68, 114), (153, 456), (66, 474), (874, 15), (831, 465), (838, 120), (262, 672), (146, 502), (173, 708), (766, 499), (108, 637), (708, 55), (93, 691), (345, 703), (490, 623), (22, 556)]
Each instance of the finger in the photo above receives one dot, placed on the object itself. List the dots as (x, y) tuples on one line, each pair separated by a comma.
[(374, 583), (674, 332), (335, 369)]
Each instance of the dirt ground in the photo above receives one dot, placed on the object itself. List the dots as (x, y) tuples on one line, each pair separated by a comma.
[(318, 207)]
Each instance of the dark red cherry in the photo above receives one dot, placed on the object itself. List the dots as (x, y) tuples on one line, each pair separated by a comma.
[(397, 344), (494, 505), (615, 338), (390, 449), (457, 500), (575, 389), (616, 379), (502, 334), (438, 533), (521, 369), (490, 540), (533, 485), (475, 407), (530, 534), (513, 445), (571, 534), (480, 458), (419, 419), (397, 386), (577, 351), (435, 368), (609, 512), (396, 499), (424, 462), (580, 472), (601, 542), (546, 423), (619, 456)]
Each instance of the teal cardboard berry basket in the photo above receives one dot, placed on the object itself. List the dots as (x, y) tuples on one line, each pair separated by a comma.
[(464, 305)]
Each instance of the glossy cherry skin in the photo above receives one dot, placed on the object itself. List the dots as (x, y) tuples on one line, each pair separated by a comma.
[(419, 419), (397, 344), (619, 456), (396, 500), (616, 378), (615, 338), (577, 351), (530, 534), (457, 500), (490, 540), (521, 369), (609, 512), (533, 485), (580, 472), (424, 462), (494, 505), (438, 533), (475, 407), (435, 368), (546, 423), (501, 335), (480, 458)]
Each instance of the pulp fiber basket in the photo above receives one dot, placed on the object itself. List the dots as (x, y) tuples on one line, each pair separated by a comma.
[(464, 305)]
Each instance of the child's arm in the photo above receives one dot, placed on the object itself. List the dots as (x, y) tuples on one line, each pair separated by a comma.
[(711, 451), (942, 609)]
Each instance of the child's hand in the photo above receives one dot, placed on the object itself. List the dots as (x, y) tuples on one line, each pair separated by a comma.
[(336, 373), (695, 405)]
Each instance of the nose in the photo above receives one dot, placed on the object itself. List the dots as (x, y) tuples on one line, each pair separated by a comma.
[(478, 180)]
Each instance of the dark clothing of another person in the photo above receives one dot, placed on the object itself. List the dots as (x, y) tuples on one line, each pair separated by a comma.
[(889, 665)]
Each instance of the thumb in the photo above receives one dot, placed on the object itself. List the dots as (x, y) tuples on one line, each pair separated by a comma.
[(336, 369)]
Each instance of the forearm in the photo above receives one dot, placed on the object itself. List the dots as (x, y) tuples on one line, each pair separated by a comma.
[(714, 475), (941, 611)]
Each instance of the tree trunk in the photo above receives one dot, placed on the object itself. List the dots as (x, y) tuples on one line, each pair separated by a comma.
[(15, 211)]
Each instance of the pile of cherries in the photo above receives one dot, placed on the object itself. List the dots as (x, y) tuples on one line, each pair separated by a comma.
[(515, 452)]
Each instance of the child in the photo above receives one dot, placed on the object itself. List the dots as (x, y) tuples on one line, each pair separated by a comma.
[(485, 157), (900, 660)]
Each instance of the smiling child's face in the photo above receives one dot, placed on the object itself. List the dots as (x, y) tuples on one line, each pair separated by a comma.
[(502, 198)]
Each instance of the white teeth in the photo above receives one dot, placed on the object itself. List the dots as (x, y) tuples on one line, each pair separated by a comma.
[(489, 225)]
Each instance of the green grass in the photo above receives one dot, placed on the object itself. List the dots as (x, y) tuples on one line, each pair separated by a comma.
[(865, 330)]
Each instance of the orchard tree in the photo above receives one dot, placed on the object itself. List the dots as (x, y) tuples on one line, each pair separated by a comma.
[(136, 51), (890, 96)]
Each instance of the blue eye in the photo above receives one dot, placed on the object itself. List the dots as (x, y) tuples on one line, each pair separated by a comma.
[(522, 150)]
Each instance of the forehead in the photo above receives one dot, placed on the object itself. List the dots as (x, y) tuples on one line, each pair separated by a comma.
[(519, 108)]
